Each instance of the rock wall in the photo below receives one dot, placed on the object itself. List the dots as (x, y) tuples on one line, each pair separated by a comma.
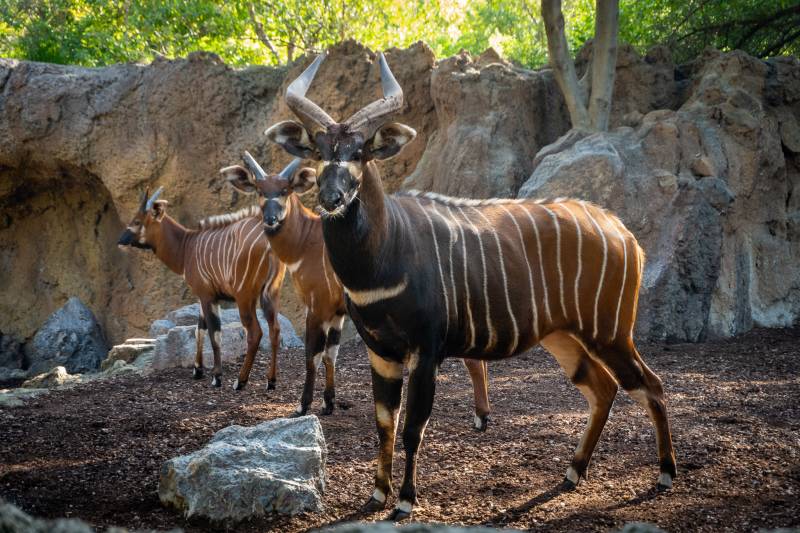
[(78, 145), (710, 190)]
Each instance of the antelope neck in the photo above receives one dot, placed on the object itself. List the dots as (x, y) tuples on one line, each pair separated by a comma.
[(288, 242), (171, 244)]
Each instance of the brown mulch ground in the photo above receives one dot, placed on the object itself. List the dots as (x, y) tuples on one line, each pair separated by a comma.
[(94, 452)]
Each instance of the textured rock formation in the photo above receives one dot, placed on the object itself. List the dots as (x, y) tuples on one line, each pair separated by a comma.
[(277, 466), (71, 337), (711, 192), (128, 352)]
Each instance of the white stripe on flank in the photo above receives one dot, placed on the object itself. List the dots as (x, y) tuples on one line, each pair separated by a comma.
[(505, 280), (204, 258), (467, 301), (602, 270), (439, 264), (624, 274), (257, 271), (558, 259), (580, 267), (541, 264), (489, 326), (453, 238), (247, 267), (530, 273)]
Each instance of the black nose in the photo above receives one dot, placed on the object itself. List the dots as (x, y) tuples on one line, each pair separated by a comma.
[(271, 220), (331, 200)]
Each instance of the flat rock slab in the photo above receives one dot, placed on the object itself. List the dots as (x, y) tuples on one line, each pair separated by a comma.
[(277, 466)]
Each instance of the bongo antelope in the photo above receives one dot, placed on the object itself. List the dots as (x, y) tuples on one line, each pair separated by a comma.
[(227, 258), (295, 234), (427, 277)]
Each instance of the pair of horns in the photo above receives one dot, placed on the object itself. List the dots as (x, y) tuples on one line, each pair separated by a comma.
[(366, 121), (147, 203), (259, 173)]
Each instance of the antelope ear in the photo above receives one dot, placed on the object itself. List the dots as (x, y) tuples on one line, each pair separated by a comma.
[(240, 178), (303, 180), (160, 209), (293, 137), (389, 140)]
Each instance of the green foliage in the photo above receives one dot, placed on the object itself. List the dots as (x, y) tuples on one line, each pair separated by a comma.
[(98, 32)]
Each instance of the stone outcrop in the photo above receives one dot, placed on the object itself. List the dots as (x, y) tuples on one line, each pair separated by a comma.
[(277, 466), (710, 190), (71, 337), (128, 352), (78, 145)]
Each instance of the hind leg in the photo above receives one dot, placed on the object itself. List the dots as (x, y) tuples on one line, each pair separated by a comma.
[(268, 305), (478, 373), (645, 387), (199, 336), (596, 385)]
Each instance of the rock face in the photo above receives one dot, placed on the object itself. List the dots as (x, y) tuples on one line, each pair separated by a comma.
[(710, 190), (71, 337), (77, 145), (493, 118), (128, 352), (277, 466)]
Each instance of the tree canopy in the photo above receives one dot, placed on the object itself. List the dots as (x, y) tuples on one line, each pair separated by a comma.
[(101, 32)]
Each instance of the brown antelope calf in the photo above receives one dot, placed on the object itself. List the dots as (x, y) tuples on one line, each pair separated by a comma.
[(429, 277), (295, 234), (227, 258)]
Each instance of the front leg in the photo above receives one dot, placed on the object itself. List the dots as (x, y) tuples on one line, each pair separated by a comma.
[(211, 313), (315, 348), (331, 353), (478, 373), (247, 314), (421, 387), (199, 337), (387, 388)]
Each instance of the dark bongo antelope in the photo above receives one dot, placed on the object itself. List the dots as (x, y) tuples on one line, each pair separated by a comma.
[(227, 258), (295, 234), (429, 277)]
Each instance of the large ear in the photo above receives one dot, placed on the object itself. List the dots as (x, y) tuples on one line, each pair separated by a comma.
[(240, 178), (389, 140), (294, 138), (303, 180), (160, 209)]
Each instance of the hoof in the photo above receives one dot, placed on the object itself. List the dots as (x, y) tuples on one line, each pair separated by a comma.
[(197, 373), (326, 410), (398, 514), (271, 384), (479, 423), (300, 411), (664, 482), (373, 505), (216, 381), (567, 485), (239, 385)]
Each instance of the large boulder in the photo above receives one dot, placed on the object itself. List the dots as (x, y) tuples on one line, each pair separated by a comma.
[(710, 192), (71, 338), (277, 466), (128, 352), (12, 354), (493, 118)]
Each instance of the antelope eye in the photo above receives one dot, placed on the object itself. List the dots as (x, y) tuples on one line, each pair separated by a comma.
[(137, 223), (284, 192)]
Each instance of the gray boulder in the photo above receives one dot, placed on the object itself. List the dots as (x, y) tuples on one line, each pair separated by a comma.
[(12, 354), (71, 338), (128, 351), (161, 327), (178, 347), (277, 466), (54, 378)]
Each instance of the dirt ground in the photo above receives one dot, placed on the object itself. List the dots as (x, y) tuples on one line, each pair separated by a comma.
[(94, 452)]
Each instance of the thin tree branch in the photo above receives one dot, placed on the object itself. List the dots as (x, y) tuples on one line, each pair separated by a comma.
[(563, 65), (262, 36)]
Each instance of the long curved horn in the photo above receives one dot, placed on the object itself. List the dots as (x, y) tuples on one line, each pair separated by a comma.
[(369, 118), (254, 167), (309, 113), (290, 169), (152, 200)]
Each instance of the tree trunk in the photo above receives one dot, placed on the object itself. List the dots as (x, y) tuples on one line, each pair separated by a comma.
[(563, 66), (604, 62)]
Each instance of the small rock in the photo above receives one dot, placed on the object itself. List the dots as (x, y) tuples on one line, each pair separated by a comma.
[(57, 377), (667, 181), (703, 166), (276, 466), (128, 351)]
